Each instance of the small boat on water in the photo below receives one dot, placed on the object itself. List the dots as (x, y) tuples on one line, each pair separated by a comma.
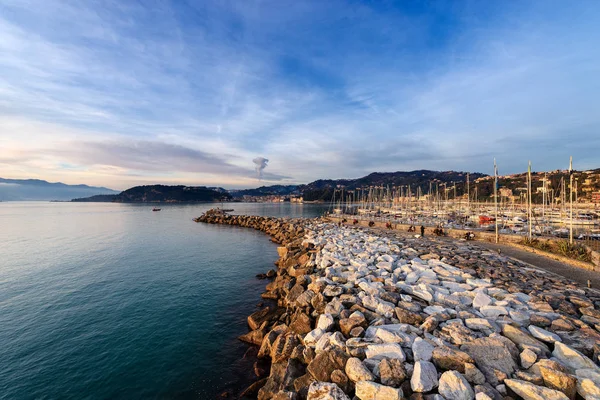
[(156, 209)]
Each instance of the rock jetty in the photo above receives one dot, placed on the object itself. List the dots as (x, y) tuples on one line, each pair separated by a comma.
[(377, 316)]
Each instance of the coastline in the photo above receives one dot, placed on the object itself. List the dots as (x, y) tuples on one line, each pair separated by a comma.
[(377, 315)]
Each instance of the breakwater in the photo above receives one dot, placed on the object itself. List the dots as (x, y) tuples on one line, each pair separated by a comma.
[(378, 316)]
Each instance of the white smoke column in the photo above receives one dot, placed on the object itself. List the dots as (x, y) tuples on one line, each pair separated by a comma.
[(261, 163)]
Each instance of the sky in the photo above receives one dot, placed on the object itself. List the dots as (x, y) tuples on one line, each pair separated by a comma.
[(121, 93)]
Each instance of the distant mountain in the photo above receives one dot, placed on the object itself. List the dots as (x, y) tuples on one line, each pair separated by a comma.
[(163, 194), (322, 189), (275, 190), (36, 189)]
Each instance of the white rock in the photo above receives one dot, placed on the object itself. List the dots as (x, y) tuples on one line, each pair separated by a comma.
[(433, 310), (481, 299), (313, 337), (424, 377), (389, 350), (482, 396), (422, 350), (572, 358), (543, 334), (423, 294), (366, 390), (325, 391), (326, 322), (384, 265), (493, 312), (453, 386), (480, 282), (357, 371), (529, 391), (382, 307)]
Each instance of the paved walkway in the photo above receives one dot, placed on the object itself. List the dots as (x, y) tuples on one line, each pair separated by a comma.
[(579, 275)]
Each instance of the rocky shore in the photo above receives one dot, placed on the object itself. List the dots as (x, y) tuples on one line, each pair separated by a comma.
[(379, 315)]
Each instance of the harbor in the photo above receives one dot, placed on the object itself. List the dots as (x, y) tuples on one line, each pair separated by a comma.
[(560, 213)]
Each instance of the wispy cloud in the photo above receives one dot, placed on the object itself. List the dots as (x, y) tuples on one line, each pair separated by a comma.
[(193, 91)]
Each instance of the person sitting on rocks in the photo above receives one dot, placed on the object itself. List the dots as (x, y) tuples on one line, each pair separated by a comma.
[(371, 224), (355, 222)]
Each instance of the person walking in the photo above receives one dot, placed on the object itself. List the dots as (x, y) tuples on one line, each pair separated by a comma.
[(422, 230)]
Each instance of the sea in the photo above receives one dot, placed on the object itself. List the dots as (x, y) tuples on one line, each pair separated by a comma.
[(115, 301)]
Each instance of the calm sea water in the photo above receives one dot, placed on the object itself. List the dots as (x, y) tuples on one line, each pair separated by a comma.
[(114, 301)]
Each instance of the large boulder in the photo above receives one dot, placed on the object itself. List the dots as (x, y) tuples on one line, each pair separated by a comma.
[(491, 355), (326, 362), (422, 350), (357, 371), (392, 372), (588, 384), (560, 381), (255, 320), (326, 322), (389, 350), (424, 377), (453, 386), (301, 324), (281, 378), (408, 317), (447, 358), (571, 358), (366, 390), (325, 391), (529, 391), (523, 339)]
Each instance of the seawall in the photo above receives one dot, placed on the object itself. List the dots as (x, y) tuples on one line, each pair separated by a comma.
[(378, 316)]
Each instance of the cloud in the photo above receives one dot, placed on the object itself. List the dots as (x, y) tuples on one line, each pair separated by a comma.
[(109, 91)]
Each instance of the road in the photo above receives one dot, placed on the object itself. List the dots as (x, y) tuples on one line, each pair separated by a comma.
[(579, 275)]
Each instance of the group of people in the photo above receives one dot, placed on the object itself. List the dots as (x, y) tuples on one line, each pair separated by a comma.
[(439, 231)]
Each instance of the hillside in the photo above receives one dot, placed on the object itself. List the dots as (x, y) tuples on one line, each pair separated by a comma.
[(163, 194), (511, 186), (275, 190), (36, 189), (323, 189)]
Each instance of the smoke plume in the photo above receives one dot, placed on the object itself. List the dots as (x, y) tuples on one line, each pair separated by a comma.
[(260, 164)]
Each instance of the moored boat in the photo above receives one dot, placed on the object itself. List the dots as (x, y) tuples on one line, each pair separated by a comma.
[(486, 218)]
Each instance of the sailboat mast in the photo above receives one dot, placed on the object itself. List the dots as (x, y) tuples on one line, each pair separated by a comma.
[(571, 199), (529, 213), (496, 197), (468, 194)]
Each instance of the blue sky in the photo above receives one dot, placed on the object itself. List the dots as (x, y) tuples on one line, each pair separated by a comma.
[(121, 93)]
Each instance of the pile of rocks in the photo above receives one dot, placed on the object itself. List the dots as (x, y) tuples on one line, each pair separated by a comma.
[(378, 316)]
